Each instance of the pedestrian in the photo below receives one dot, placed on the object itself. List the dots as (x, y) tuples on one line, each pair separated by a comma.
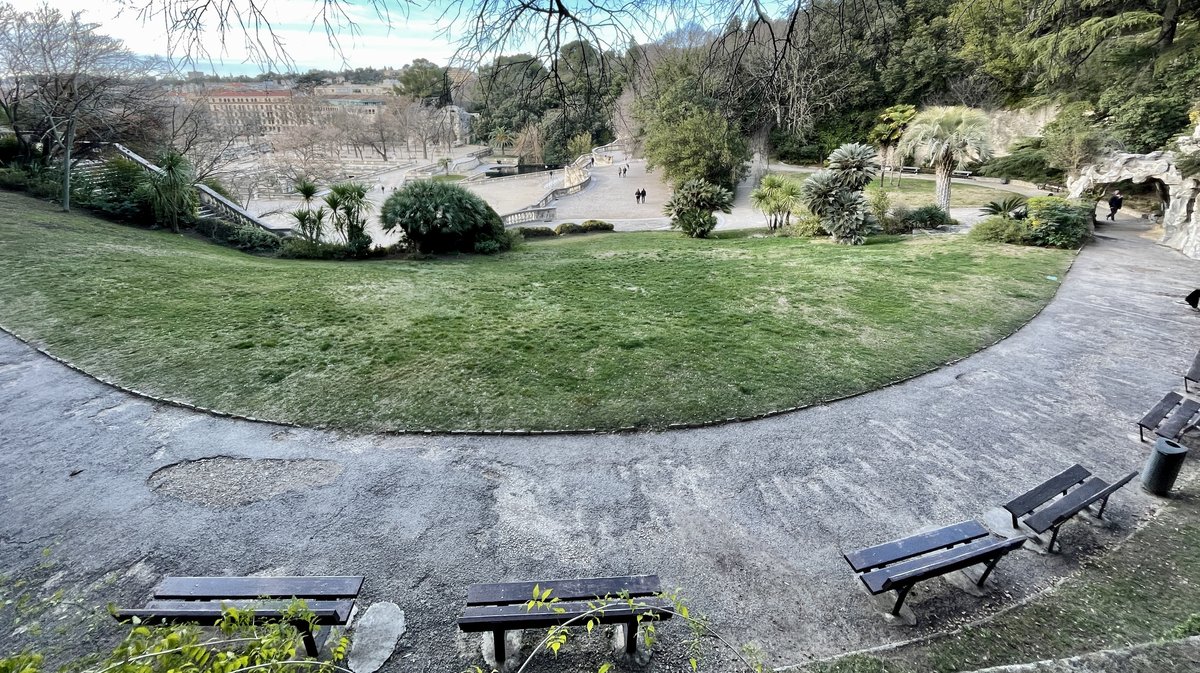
[(637, 195), (1114, 204)]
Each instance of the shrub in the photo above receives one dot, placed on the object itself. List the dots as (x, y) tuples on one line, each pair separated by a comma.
[(1026, 161), (568, 228), (692, 205), (14, 178), (597, 225), (928, 217), (1058, 223), (298, 248), (10, 149), (247, 238), (438, 217), (1010, 208), (803, 225), (835, 194), (898, 220), (535, 232), (997, 229)]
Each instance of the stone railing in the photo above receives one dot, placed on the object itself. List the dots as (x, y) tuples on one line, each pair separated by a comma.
[(223, 207), (529, 215)]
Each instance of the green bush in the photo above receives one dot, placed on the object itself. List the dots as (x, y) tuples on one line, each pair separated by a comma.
[(298, 248), (569, 228), (1189, 627), (928, 217), (14, 178), (1026, 161), (10, 149), (898, 220), (439, 217), (1058, 223), (803, 225), (535, 232), (997, 229), (597, 225), (247, 238), (117, 193)]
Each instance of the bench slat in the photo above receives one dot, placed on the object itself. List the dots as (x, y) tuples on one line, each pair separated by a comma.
[(1179, 420), (914, 545), (1067, 506), (203, 588), (1160, 410), (492, 617), (505, 593), (940, 563), (1193, 373), (1042, 493), (1114, 487), (209, 612)]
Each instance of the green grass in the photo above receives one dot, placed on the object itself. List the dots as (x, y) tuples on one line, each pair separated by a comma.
[(1144, 590), (917, 192), (641, 329), (453, 177)]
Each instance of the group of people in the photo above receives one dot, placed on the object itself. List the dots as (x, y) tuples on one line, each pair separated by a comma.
[(623, 171), (640, 195)]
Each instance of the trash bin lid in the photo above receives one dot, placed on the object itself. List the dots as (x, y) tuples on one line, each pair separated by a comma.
[(1164, 445)]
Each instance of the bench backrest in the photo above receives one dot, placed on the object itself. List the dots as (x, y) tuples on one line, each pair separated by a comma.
[(915, 545), (1112, 488), (958, 558), (1067, 506), (1160, 410), (210, 588), (1180, 420), (1043, 492), (509, 593)]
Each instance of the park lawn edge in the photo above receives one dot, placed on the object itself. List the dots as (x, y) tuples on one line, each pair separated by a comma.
[(51, 351)]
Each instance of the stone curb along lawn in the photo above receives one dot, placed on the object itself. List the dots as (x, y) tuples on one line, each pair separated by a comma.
[(520, 432), (1180, 655)]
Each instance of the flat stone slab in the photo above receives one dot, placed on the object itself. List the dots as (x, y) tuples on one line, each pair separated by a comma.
[(375, 636)]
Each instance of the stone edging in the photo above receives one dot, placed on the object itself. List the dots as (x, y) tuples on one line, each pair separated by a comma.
[(526, 433)]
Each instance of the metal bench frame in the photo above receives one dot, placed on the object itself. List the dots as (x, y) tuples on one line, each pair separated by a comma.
[(202, 600), (502, 607)]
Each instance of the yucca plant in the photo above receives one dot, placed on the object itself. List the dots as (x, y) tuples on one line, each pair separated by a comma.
[(947, 138), (692, 205), (854, 165), (835, 194), (172, 191), (776, 197), (1010, 207)]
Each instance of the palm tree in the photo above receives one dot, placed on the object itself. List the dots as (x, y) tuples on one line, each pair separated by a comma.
[(501, 138), (887, 133), (349, 203), (947, 138), (776, 197)]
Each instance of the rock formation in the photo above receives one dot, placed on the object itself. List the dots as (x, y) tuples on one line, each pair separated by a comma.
[(1181, 218)]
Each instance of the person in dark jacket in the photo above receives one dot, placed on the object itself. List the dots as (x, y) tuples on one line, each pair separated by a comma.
[(1114, 204)]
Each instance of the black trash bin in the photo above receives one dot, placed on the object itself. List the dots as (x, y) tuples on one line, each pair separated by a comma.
[(1158, 477)]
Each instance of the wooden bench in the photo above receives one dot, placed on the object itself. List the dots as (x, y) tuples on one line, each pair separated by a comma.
[(1062, 510), (1170, 417), (504, 607), (961, 174), (202, 600), (900, 564), (1193, 374), (1044, 492), (910, 169), (1049, 187)]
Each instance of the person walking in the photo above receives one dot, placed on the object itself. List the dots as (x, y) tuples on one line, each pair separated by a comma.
[(637, 195), (1114, 204)]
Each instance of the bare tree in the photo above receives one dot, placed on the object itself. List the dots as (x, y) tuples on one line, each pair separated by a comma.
[(67, 84), (213, 144)]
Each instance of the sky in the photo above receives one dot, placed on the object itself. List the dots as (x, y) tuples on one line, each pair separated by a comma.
[(419, 35)]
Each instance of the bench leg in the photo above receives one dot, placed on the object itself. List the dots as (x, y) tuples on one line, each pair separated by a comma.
[(310, 643), (1141, 434), (990, 566), (498, 645), (1103, 504), (1053, 537), (901, 594), (631, 636)]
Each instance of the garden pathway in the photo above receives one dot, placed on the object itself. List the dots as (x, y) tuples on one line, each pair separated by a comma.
[(748, 519)]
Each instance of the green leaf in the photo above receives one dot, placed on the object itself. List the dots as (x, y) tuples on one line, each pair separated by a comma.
[(604, 667), (695, 664)]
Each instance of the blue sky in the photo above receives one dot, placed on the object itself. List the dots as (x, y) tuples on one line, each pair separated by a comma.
[(417, 36)]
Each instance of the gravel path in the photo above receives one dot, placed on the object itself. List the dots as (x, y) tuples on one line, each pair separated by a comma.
[(749, 519)]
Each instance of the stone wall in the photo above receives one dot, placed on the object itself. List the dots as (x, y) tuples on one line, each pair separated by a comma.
[(1181, 219), (1008, 125)]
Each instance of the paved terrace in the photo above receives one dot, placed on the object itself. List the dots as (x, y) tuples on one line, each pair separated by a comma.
[(749, 519)]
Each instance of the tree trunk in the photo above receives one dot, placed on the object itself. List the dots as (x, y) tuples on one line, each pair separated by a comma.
[(68, 141), (942, 188), (1170, 22)]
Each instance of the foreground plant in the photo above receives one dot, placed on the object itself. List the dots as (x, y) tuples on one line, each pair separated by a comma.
[(692, 205), (242, 646), (835, 195)]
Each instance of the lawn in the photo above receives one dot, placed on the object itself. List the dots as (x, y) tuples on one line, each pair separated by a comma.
[(598, 331), (452, 177), (917, 192)]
